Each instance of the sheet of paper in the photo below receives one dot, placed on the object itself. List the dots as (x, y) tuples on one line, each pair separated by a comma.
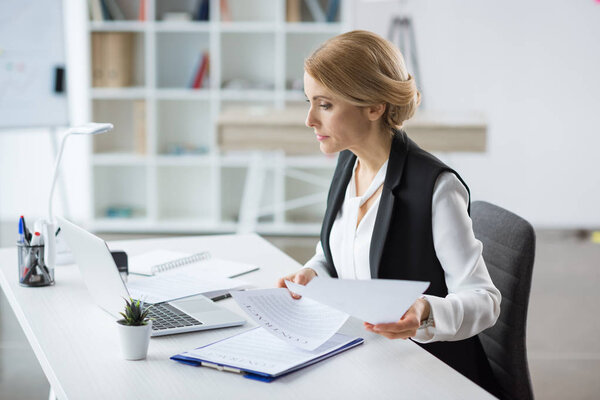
[(213, 268), (257, 350), (375, 301), (165, 287), (304, 323)]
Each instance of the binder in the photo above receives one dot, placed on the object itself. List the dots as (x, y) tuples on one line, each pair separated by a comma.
[(258, 344)]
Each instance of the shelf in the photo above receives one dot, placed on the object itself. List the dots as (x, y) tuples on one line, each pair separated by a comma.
[(118, 26), (248, 27), (184, 160), (182, 26), (242, 95), (125, 159), (161, 169), (183, 94), (163, 225), (138, 92), (120, 187), (331, 28), (183, 126), (182, 192), (295, 95)]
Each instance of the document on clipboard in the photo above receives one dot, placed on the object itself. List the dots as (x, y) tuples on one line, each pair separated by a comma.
[(259, 355)]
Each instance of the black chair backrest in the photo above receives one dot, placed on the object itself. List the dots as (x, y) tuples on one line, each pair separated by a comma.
[(509, 251)]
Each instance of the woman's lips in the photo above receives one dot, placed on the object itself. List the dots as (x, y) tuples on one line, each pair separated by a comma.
[(321, 137)]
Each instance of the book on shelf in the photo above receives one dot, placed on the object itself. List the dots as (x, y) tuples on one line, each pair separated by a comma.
[(95, 8), (201, 72), (142, 11), (225, 12), (112, 64), (316, 10), (139, 126), (105, 10), (202, 10), (292, 11), (332, 10), (114, 10)]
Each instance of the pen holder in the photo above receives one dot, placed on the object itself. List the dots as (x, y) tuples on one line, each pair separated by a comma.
[(32, 270)]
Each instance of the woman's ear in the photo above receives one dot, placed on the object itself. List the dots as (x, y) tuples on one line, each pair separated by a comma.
[(376, 111)]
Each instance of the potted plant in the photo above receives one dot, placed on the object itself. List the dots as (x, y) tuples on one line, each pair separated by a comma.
[(134, 330)]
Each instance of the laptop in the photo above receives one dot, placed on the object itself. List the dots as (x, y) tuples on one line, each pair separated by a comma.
[(103, 281)]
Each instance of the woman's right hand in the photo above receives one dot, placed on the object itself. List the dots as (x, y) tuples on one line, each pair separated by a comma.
[(301, 277)]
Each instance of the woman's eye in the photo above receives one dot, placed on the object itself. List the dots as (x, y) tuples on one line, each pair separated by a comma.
[(325, 106)]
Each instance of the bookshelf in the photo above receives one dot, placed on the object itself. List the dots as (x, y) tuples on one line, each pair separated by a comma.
[(161, 169)]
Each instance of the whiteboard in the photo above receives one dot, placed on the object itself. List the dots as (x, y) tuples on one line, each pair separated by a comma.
[(31, 47)]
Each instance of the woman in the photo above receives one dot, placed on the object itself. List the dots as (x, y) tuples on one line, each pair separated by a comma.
[(395, 211)]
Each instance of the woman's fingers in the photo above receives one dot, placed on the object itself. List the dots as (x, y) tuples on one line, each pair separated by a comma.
[(301, 277), (403, 329), (406, 324)]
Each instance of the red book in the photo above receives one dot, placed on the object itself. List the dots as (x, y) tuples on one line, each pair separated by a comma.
[(202, 70), (142, 14)]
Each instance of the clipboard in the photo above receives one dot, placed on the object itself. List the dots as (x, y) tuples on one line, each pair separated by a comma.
[(259, 367)]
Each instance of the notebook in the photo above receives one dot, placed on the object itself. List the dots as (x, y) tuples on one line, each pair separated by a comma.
[(158, 261), (175, 275), (257, 354)]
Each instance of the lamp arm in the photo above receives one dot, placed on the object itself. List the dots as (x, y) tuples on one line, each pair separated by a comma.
[(55, 176)]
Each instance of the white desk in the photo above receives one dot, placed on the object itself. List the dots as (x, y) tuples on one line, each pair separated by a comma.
[(76, 343)]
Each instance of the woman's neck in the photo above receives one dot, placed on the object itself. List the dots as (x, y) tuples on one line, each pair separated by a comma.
[(373, 152)]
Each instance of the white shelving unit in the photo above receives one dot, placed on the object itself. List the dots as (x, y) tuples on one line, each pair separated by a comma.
[(206, 191)]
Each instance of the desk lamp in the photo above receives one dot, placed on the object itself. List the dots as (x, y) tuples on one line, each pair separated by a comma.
[(91, 128)]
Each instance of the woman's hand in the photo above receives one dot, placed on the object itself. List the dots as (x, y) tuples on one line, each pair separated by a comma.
[(408, 324), (301, 277)]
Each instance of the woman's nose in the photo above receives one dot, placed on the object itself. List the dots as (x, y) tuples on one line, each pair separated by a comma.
[(310, 120)]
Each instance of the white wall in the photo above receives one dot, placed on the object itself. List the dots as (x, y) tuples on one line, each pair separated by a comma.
[(27, 157), (534, 68)]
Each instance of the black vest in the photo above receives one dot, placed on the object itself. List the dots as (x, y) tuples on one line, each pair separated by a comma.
[(402, 242)]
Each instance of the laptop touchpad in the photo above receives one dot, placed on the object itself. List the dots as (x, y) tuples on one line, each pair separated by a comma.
[(195, 305)]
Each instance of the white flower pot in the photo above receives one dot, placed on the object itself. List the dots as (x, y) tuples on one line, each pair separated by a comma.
[(134, 340)]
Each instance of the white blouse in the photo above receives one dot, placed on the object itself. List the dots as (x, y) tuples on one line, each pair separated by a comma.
[(472, 303)]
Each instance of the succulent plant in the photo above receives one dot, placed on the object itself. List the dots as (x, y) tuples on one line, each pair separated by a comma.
[(135, 313)]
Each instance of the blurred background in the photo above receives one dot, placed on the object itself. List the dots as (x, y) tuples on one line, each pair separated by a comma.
[(207, 102)]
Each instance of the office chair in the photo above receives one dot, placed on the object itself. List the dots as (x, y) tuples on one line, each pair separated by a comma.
[(508, 250)]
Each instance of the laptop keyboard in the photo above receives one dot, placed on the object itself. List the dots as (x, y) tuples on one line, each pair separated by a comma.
[(165, 316)]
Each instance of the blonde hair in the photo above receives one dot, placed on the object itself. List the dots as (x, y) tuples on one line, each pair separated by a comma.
[(365, 69)]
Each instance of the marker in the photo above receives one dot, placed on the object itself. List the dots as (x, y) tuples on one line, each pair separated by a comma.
[(37, 239), (21, 235)]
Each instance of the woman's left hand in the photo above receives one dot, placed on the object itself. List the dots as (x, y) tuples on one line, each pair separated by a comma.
[(408, 324)]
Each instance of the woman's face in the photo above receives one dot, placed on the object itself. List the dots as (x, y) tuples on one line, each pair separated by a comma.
[(337, 124)]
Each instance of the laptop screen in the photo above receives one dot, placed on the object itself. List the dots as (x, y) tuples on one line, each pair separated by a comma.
[(97, 267)]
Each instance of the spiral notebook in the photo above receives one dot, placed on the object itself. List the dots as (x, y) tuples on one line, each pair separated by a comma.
[(158, 261), (173, 275)]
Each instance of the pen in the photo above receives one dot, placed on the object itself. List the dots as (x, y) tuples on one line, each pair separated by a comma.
[(221, 297), (26, 231)]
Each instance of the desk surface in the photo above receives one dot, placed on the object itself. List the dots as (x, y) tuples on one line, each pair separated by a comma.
[(77, 346)]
